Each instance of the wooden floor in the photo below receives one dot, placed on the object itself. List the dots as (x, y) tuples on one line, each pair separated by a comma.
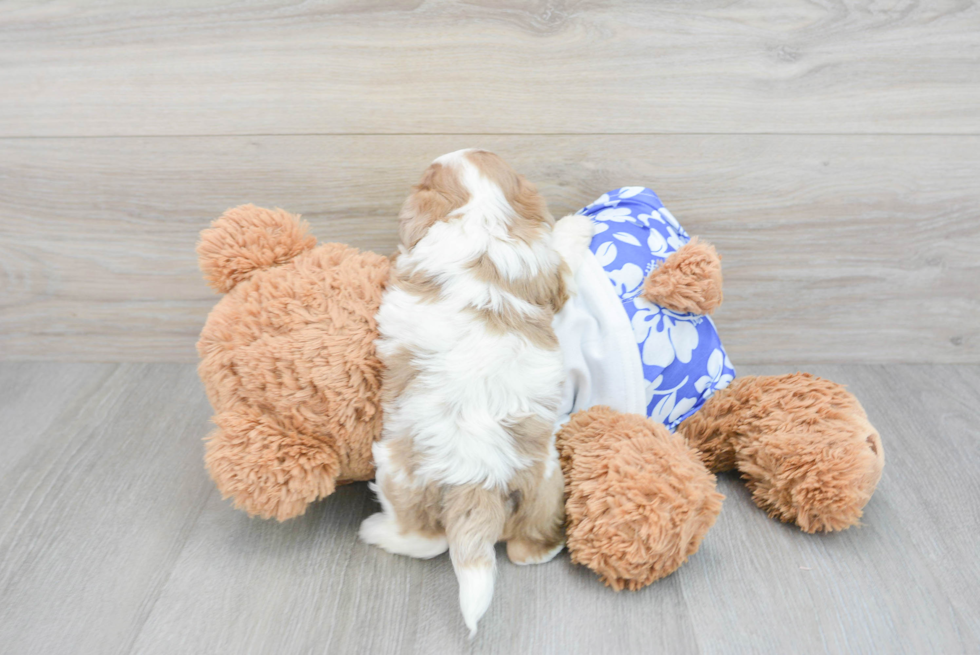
[(113, 540)]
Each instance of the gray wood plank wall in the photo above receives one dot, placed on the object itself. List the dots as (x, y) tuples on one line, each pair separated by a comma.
[(830, 150)]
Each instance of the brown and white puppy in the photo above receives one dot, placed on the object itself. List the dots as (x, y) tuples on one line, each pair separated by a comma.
[(474, 373)]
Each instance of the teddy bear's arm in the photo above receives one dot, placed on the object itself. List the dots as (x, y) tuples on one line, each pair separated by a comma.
[(688, 281)]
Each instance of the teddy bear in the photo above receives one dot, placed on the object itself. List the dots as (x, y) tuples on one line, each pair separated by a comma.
[(287, 359)]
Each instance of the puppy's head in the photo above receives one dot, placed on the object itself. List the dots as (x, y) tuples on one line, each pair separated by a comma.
[(472, 176)]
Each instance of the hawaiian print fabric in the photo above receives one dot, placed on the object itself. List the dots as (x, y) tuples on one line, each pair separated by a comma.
[(683, 360)]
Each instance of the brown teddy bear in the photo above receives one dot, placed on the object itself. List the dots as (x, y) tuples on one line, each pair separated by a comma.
[(288, 362)]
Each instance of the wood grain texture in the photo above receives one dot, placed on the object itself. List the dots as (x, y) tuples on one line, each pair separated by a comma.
[(910, 562), (407, 66), (33, 397), (835, 248), (112, 540), (100, 502)]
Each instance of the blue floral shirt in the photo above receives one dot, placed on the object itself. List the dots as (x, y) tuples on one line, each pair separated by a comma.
[(683, 359)]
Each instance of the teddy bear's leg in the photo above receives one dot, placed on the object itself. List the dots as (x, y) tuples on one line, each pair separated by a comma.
[(268, 469), (639, 499), (804, 445), (534, 529)]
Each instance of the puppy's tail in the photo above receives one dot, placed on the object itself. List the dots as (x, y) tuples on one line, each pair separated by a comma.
[(474, 519)]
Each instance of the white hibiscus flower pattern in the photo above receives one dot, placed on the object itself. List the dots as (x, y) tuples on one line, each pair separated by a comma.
[(682, 356), (664, 336)]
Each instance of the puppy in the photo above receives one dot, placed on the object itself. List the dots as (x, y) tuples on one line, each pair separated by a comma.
[(474, 373)]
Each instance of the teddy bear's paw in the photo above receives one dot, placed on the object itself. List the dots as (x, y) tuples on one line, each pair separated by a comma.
[(818, 481), (639, 499), (688, 281), (806, 450)]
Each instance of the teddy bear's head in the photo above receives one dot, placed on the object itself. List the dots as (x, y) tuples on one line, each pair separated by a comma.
[(288, 360)]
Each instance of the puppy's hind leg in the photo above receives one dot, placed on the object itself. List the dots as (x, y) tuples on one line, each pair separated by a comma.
[(384, 532), (408, 521), (535, 529)]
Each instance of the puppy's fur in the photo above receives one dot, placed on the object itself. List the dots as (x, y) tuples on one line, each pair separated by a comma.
[(474, 373)]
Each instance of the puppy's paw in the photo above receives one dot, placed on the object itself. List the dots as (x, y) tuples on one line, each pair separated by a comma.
[(522, 551), (382, 531), (573, 235), (378, 530)]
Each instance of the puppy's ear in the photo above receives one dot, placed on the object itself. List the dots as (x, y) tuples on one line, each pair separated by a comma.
[(421, 209), (438, 194), (522, 195), (528, 203)]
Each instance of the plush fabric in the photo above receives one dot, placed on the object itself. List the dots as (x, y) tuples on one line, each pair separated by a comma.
[(689, 282), (288, 361), (638, 500), (803, 445)]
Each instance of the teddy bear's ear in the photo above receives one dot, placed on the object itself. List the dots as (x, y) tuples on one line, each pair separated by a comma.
[(246, 239)]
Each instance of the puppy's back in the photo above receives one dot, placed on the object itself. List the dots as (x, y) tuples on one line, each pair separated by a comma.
[(473, 367)]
